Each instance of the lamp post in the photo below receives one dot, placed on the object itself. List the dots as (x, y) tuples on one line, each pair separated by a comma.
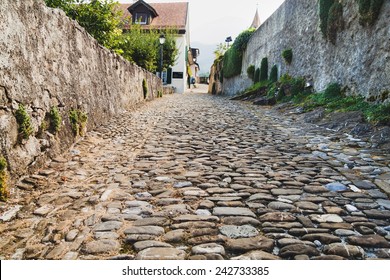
[(228, 40), (162, 41)]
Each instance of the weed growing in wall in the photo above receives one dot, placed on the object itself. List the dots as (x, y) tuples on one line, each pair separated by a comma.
[(3, 179), (369, 11), (264, 69), (24, 122), (78, 122), (55, 120), (145, 88), (287, 55)]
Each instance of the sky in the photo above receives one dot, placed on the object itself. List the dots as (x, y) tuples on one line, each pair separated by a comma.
[(211, 21)]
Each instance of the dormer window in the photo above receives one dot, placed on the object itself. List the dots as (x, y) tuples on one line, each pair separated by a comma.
[(141, 18)]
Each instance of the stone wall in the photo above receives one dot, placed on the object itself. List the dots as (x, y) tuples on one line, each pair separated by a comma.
[(360, 59), (48, 60)]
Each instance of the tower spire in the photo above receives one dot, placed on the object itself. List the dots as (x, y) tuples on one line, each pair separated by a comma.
[(256, 21)]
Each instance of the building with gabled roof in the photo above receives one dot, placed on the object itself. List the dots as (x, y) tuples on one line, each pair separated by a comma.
[(166, 16)]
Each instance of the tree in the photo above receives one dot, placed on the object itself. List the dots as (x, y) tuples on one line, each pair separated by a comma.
[(104, 21), (141, 47)]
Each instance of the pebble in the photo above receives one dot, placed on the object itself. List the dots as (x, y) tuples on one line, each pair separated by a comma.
[(233, 211), (238, 231), (210, 248), (104, 246), (336, 187), (141, 245), (161, 254)]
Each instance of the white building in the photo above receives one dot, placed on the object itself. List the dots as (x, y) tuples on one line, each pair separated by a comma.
[(167, 16)]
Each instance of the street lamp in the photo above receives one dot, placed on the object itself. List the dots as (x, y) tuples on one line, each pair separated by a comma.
[(228, 40), (162, 41)]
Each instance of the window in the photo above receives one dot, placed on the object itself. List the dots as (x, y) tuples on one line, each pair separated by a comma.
[(141, 18)]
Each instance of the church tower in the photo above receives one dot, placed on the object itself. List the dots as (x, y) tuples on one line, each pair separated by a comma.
[(256, 21)]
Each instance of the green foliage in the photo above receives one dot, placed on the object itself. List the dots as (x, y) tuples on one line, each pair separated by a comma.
[(159, 94), (335, 21), (258, 85), (369, 11), (4, 193), (78, 121), (232, 63), (273, 76), (232, 59), (142, 47), (24, 122), (264, 69), (325, 6), (287, 55), (242, 40), (3, 164), (145, 88), (251, 72), (55, 120), (104, 21), (333, 99), (290, 87), (220, 51), (257, 75)]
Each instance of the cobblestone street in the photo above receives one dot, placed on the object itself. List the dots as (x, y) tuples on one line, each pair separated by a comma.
[(195, 176)]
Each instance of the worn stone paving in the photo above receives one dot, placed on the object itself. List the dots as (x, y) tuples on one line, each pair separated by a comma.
[(199, 177)]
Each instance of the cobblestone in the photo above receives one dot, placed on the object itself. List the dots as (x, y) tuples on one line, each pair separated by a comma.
[(199, 177)]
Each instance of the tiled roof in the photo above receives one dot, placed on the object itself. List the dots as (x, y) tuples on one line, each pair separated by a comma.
[(170, 14)]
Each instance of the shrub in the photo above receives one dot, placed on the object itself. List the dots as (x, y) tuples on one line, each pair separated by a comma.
[(333, 91), (257, 75), (264, 69), (55, 120), (290, 87), (369, 11), (251, 72), (232, 60), (287, 56), (325, 6), (145, 88), (335, 22), (232, 63), (273, 76), (24, 122), (3, 179), (78, 121)]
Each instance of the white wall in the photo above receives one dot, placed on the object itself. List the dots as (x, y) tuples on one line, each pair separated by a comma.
[(181, 65)]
